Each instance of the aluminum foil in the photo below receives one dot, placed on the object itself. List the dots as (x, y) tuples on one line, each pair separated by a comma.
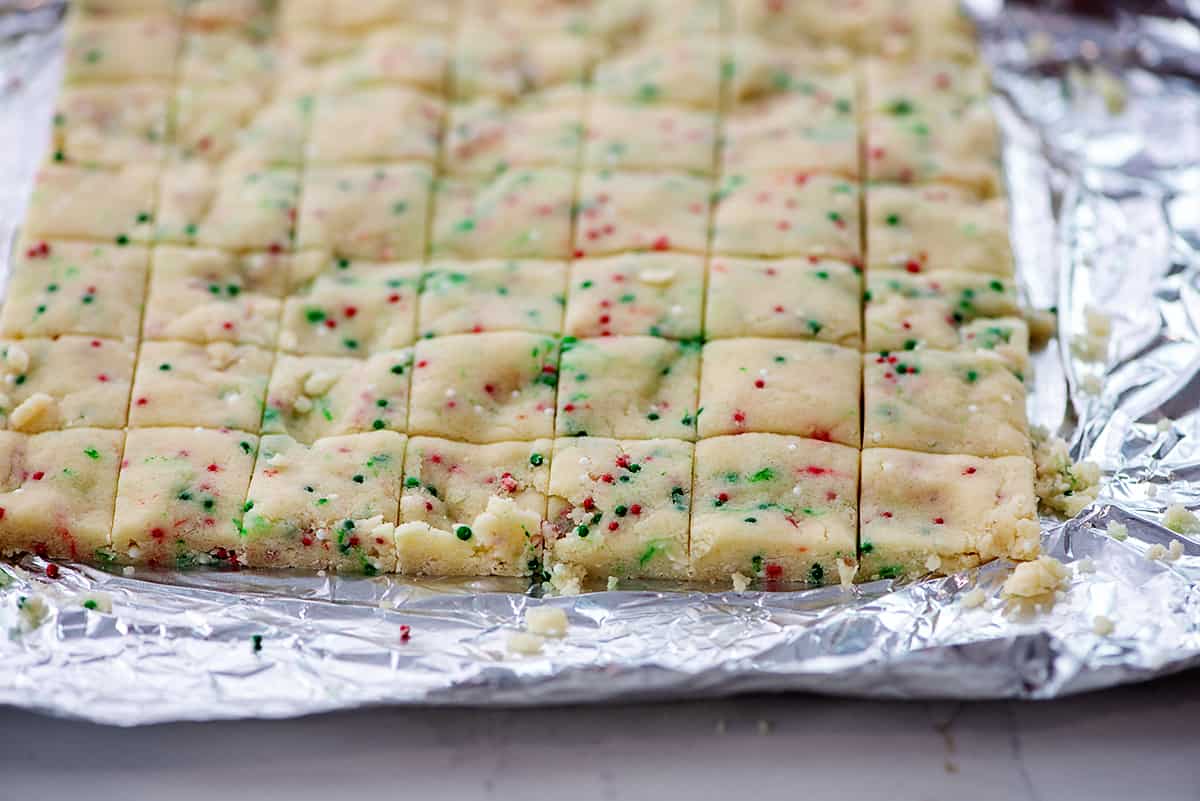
[(1102, 117)]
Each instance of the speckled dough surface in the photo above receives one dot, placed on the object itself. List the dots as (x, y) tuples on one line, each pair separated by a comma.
[(565, 290)]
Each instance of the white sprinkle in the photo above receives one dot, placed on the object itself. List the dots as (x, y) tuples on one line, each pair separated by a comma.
[(516, 393), (548, 410), (613, 582), (128, 570), (762, 371), (451, 392), (792, 446), (134, 552), (585, 460), (796, 490), (321, 534)]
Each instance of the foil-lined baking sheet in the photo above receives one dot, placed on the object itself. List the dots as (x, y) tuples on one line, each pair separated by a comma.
[(1102, 121)]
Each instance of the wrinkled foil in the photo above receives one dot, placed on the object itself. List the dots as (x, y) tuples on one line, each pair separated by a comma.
[(1102, 123)]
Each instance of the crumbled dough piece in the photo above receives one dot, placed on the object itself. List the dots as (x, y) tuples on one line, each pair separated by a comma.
[(1174, 551), (1164, 425), (565, 580), (613, 583), (1156, 553), (1102, 625), (1179, 519), (524, 643), (1062, 485), (1042, 324), (1086, 565), (34, 413), (847, 569), (741, 583), (1093, 346), (1037, 579), (1118, 531), (33, 611), (546, 621), (974, 599)]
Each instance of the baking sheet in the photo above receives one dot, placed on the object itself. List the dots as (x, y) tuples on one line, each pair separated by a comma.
[(1102, 122)]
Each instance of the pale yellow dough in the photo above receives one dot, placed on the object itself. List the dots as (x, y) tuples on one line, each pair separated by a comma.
[(522, 213), (472, 509), (208, 295), (789, 298), (504, 61), (235, 127), (628, 388), (809, 389), (376, 213), (935, 513), (57, 490), (508, 394), (59, 287), (181, 495), (100, 204), (620, 211), (905, 311), (944, 402), (219, 385), (460, 297), (657, 294), (118, 49), (775, 507), (310, 397), (355, 310), (235, 208), (620, 508), (681, 73), (85, 379), (332, 504), (489, 135), (111, 125), (346, 127), (623, 136)]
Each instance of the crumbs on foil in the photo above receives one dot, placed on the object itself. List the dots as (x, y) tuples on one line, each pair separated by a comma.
[(1101, 131)]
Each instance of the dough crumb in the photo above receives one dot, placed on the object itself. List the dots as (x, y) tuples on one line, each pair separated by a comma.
[(1085, 565), (33, 611), (847, 569), (128, 570), (565, 580), (1103, 625), (39, 410), (1092, 384), (1038, 579), (1062, 485), (974, 599), (765, 727), (1174, 551), (741, 583), (1118, 531), (613, 582), (1164, 425), (1093, 345), (1156, 552), (1111, 88), (1042, 324), (1181, 520), (546, 621), (525, 643)]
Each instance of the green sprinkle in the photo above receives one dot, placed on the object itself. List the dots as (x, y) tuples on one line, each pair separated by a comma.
[(358, 478), (866, 547), (816, 574), (910, 344), (314, 315), (412, 481), (581, 530), (766, 474), (890, 571), (91, 453), (536, 459), (463, 533), (893, 219), (620, 511), (122, 240), (91, 605), (256, 642)]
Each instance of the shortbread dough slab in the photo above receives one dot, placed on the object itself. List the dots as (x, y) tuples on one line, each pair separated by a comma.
[(620, 508), (472, 510), (57, 491), (923, 513), (329, 505), (774, 507)]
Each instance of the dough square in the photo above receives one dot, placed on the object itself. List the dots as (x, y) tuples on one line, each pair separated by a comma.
[(521, 213), (311, 397), (628, 388), (787, 213), (459, 297), (626, 136), (220, 385), (808, 298), (961, 148), (398, 55), (488, 135), (755, 70), (347, 127), (504, 61), (332, 504), (353, 311), (509, 395), (620, 508), (59, 287), (924, 513), (376, 213), (225, 57), (360, 17), (937, 227), (101, 204), (118, 49), (472, 510), (206, 295), (1007, 337), (929, 309), (236, 127), (621, 211), (681, 72), (944, 402), (774, 507), (776, 386), (181, 496), (655, 294), (239, 208), (57, 490), (788, 133), (111, 125), (924, 87), (66, 382)]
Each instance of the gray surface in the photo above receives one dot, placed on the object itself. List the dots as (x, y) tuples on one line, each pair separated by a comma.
[(1132, 743)]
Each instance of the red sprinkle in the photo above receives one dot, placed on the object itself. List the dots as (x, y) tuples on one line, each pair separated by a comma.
[(614, 525), (939, 521), (662, 243), (52, 571), (405, 633), (39, 475), (635, 509), (759, 383), (970, 471), (213, 468), (774, 571)]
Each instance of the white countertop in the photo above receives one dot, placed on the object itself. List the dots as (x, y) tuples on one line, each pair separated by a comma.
[(1139, 743)]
